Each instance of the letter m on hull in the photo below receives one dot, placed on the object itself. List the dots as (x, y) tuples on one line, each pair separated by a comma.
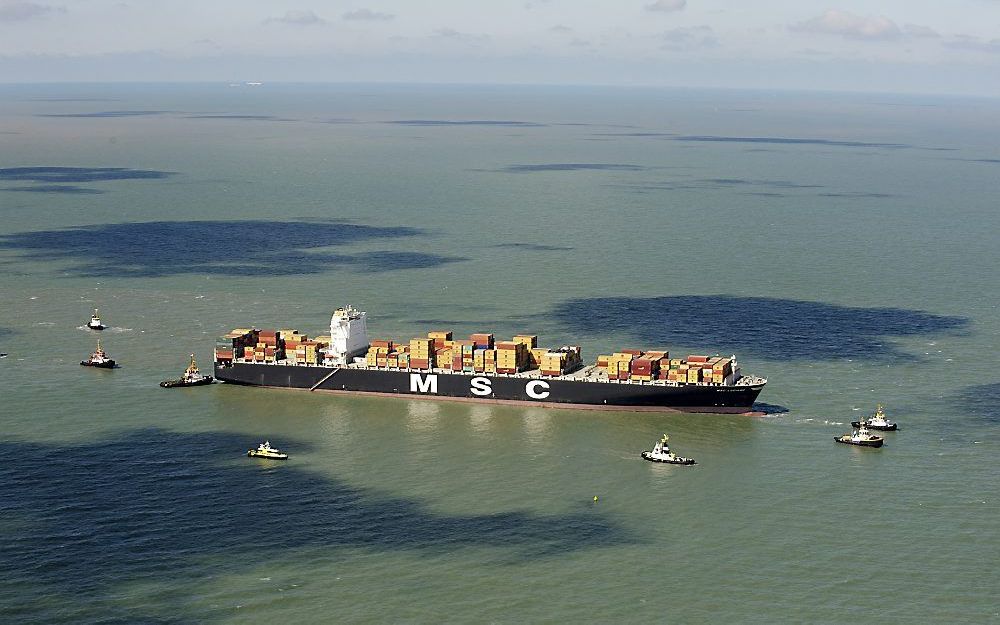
[(423, 384)]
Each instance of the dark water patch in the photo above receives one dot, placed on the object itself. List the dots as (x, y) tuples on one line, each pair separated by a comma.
[(79, 174), (374, 262), (524, 169), (83, 520), (54, 188), (769, 328), (534, 247), (981, 402), (779, 184), (982, 160), (635, 134), (765, 194), (105, 114), (72, 100), (254, 118), (857, 194), (713, 184), (470, 122), (244, 248), (789, 141)]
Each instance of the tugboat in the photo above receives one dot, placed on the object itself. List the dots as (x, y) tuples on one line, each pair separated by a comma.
[(191, 377), (264, 450), (877, 421), (95, 322), (661, 453), (99, 359), (861, 437)]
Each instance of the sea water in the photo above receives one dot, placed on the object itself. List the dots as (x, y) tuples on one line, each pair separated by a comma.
[(841, 245)]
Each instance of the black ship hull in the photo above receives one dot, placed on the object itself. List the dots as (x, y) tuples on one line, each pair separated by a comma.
[(493, 388), (107, 364), (184, 383)]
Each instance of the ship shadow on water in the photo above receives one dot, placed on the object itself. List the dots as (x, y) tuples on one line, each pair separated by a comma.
[(762, 327), (238, 248), (82, 521)]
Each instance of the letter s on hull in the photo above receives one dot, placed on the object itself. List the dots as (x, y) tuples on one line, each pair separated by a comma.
[(481, 386), (419, 384), (531, 388)]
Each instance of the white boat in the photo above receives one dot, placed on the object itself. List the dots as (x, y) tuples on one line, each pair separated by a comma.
[(95, 322), (661, 453), (264, 450), (862, 437), (877, 421)]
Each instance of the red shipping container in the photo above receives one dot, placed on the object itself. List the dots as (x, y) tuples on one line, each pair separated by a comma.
[(634, 352), (419, 363), (695, 358)]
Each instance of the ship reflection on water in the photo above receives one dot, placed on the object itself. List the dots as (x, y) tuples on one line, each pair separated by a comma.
[(422, 415)]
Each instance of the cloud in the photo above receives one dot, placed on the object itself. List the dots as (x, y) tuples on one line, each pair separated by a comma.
[(19, 11), (451, 33), (368, 15), (297, 18), (975, 44), (687, 38), (666, 6), (850, 26), (560, 29), (922, 32)]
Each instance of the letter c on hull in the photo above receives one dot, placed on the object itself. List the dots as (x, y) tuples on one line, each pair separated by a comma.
[(531, 388), (481, 386)]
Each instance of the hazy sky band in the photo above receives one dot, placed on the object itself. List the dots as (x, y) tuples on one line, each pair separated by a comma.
[(894, 45)]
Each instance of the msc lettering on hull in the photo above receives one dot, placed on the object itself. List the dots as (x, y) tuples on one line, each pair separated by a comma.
[(479, 386), (420, 384)]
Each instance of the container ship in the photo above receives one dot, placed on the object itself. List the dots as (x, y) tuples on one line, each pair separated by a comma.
[(481, 369)]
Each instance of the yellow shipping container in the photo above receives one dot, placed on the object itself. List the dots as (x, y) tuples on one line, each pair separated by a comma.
[(529, 340)]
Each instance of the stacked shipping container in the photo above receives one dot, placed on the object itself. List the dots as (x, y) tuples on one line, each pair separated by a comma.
[(480, 353)]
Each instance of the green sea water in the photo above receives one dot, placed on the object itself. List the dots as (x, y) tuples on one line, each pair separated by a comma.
[(842, 245)]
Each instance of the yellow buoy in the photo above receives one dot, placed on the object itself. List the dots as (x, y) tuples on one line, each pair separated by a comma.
[(595, 497)]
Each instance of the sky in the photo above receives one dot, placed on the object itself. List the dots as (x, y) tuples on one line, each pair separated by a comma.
[(910, 46)]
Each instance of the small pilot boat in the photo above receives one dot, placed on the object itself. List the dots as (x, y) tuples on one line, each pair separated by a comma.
[(877, 421), (862, 437), (661, 453), (191, 377), (264, 450), (95, 322), (99, 359)]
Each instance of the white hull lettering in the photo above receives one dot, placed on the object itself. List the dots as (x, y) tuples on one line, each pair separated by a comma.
[(419, 384), (531, 388), (481, 386)]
